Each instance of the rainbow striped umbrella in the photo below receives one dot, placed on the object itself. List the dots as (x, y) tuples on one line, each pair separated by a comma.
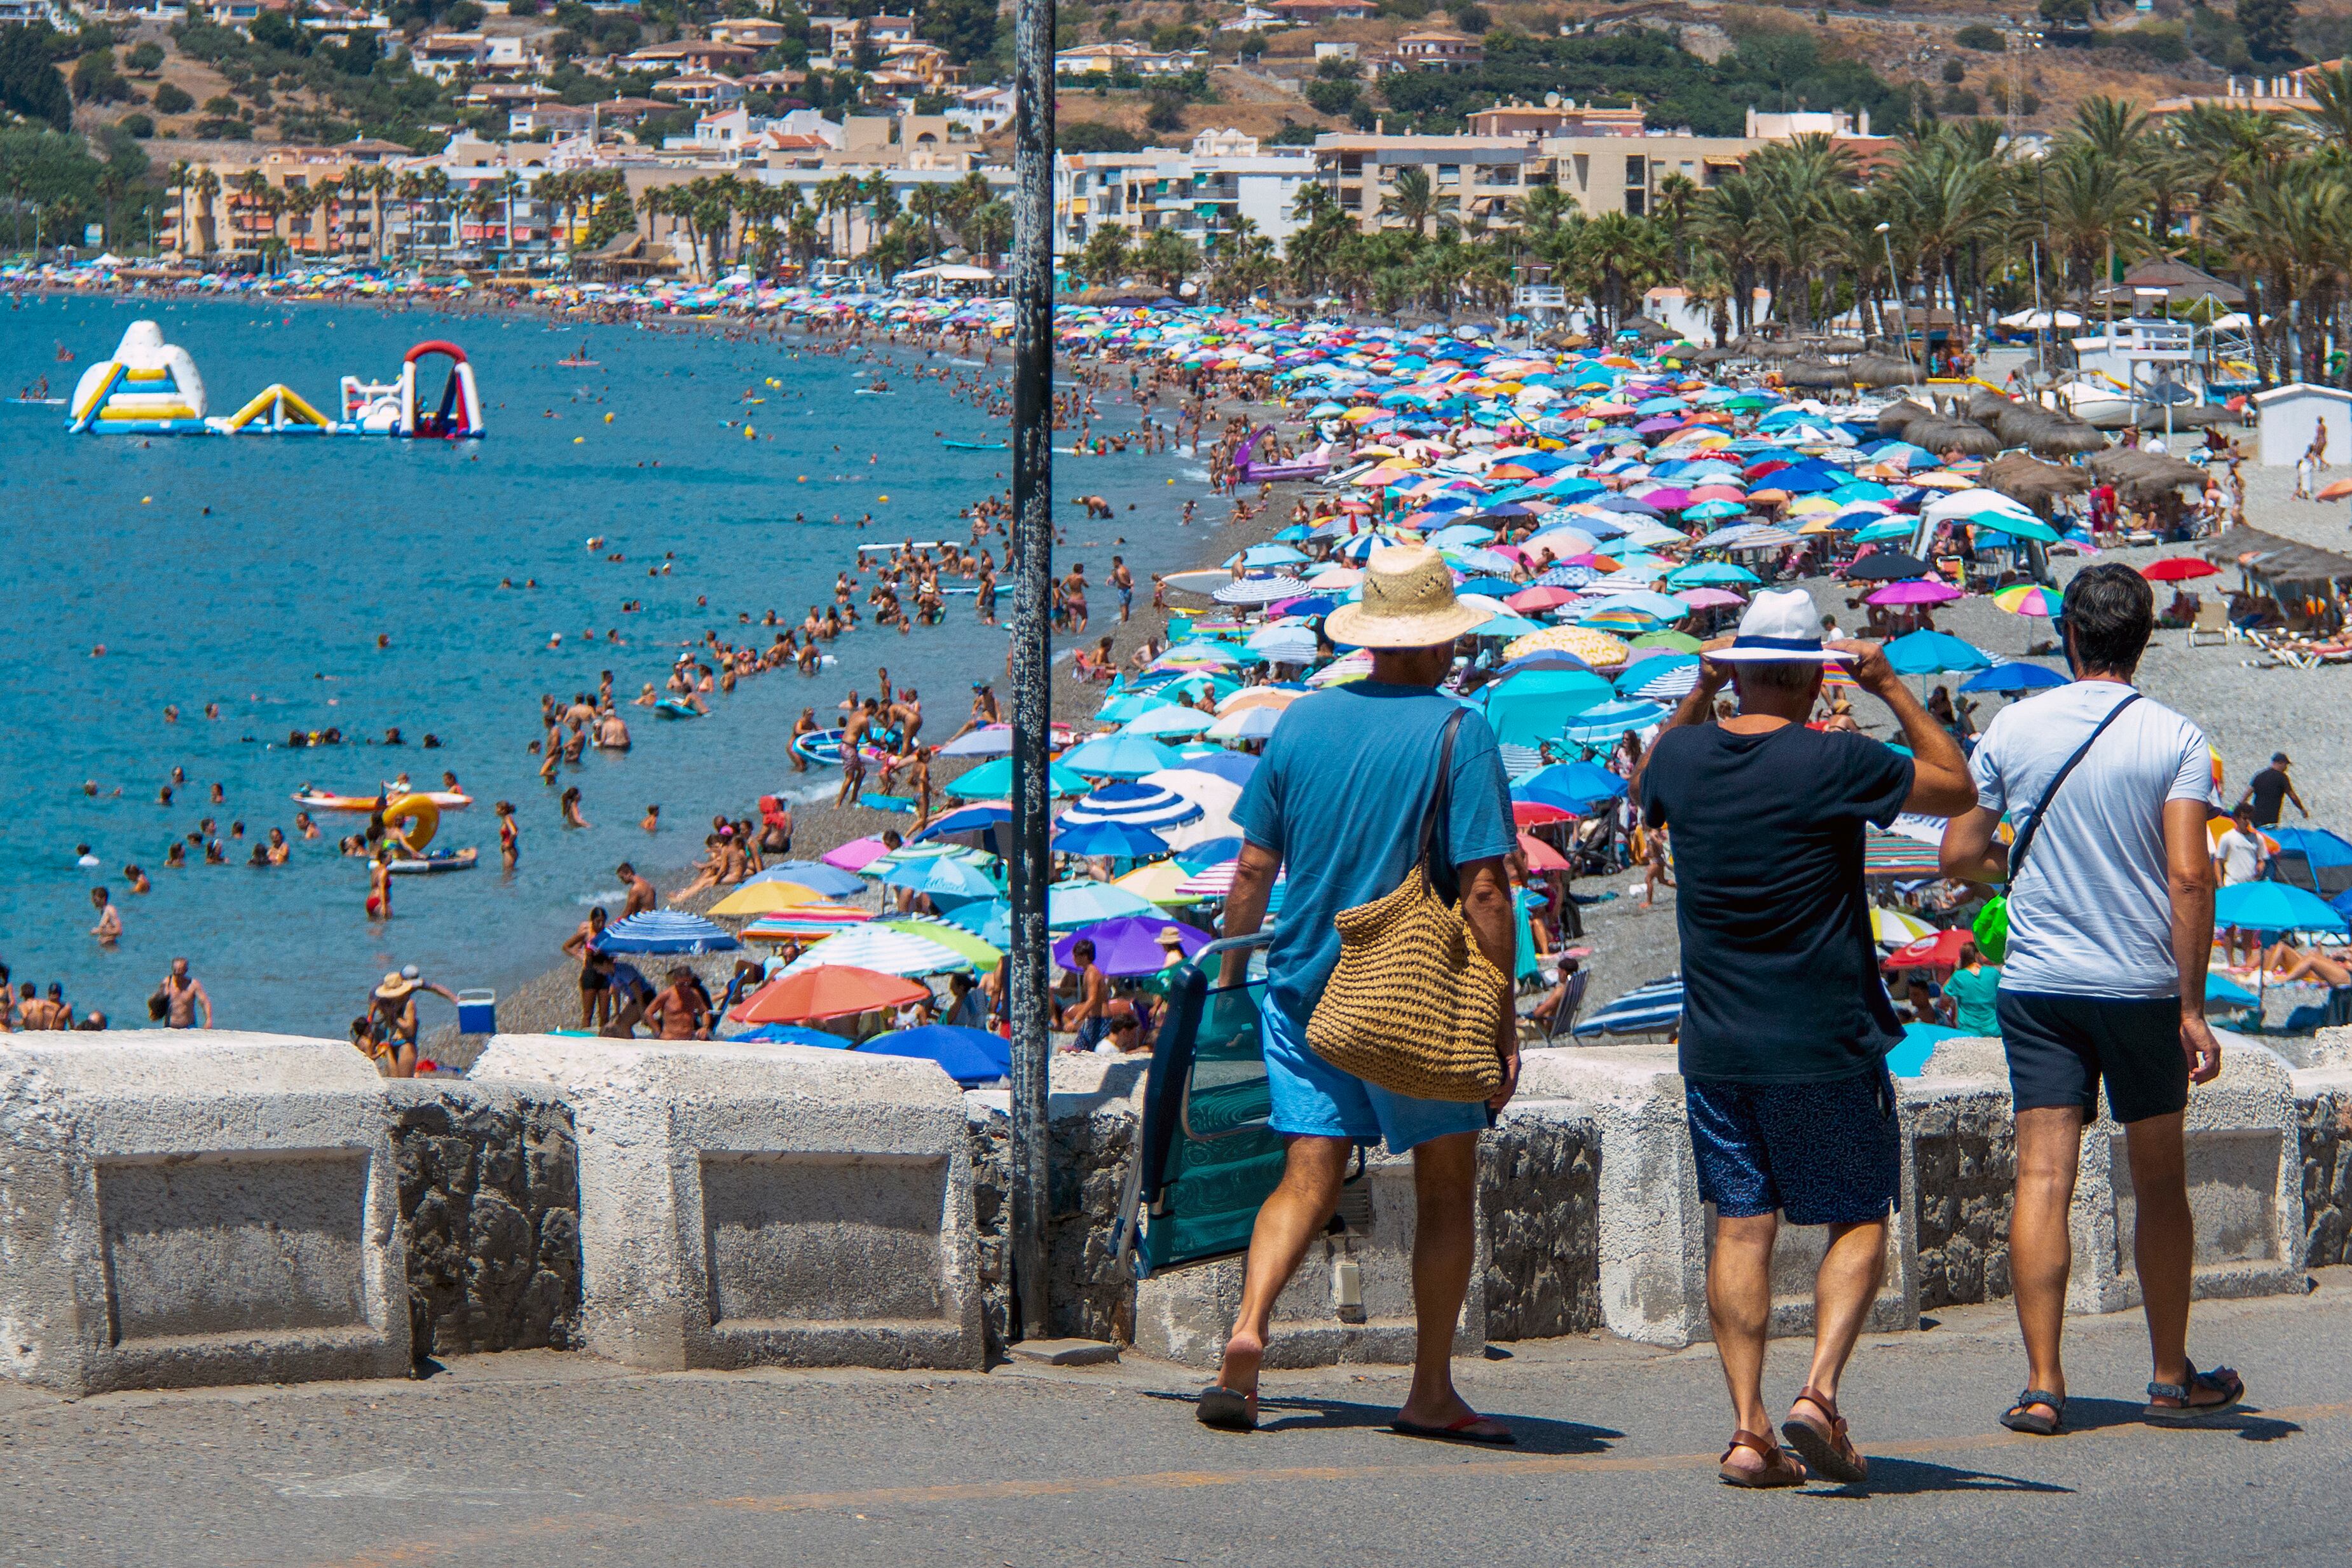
[(810, 921), (2028, 599)]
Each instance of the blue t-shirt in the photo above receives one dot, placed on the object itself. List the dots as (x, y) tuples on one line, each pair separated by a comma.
[(1339, 797)]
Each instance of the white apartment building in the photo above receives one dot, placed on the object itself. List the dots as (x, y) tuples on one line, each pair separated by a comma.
[(1200, 191)]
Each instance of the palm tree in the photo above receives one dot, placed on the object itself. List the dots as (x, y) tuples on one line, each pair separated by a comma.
[(253, 186), (176, 181), (1412, 200), (991, 230), (207, 187), (509, 185), (929, 203), (836, 197)]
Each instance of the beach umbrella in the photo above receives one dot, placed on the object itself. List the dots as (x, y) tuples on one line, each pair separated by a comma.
[(988, 740), (972, 1057), (1611, 719), (989, 919), (825, 991), (1138, 804), (1574, 786), (2274, 906), (1646, 1009), (993, 781), (1711, 573), (1888, 566), (1892, 928), (977, 819), (790, 1034), (942, 876), (2028, 599), (1916, 591), (1129, 944), (1081, 901), (806, 923), (2010, 679), (665, 931), (1172, 721), (1667, 680), (1670, 641), (1232, 767), (1933, 653), (1247, 724), (831, 882), (1269, 554), (1892, 855), (1884, 530), (1156, 881), (2017, 525), (1120, 840), (1597, 649), (1260, 590), (982, 953), (764, 897), (882, 949), (2180, 567), (1283, 645), (1540, 856), (1119, 757)]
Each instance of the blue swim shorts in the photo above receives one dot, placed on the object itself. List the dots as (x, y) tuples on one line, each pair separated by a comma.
[(1314, 1099), (1821, 1153)]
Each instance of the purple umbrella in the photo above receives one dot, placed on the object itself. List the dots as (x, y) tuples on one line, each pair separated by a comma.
[(1657, 425), (1667, 498), (1915, 592), (1129, 944)]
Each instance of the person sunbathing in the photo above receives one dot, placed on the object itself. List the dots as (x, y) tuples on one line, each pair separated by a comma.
[(2288, 963)]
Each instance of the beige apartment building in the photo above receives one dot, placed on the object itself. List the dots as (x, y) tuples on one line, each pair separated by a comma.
[(1477, 179), (1624, 174)]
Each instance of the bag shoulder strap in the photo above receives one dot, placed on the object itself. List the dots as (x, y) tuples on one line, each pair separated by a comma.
[(2025, 839), (1433, 852)]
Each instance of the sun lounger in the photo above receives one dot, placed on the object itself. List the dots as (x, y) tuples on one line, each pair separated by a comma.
[(2212, 621)]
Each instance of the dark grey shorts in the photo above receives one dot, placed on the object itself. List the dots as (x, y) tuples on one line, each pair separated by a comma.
[(2059, 1049)]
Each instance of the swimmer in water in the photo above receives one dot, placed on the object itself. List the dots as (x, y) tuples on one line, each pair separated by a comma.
[(109, 929), (571, 809), (137, 879)]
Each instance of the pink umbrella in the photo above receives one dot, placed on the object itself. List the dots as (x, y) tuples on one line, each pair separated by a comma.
[(856, 854), (1667, 498), (1916, 591), (1709, 598), (1513, 551), (1538, 598), (1719, 492)]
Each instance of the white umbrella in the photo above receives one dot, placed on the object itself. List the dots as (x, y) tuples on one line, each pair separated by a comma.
[(1260, 590), (883, 950), (1247, 724), (1216, 798)]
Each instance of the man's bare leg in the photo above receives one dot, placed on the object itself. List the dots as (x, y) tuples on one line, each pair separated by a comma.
[(1293, 1214), (1445, 1248), (2041, 1246), (1739, 1307)]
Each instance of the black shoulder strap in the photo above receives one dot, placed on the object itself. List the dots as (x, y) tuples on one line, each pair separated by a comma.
[(1434, 852), (2025, 839)]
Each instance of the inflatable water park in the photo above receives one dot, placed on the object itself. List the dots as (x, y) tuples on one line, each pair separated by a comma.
[(151, 387)]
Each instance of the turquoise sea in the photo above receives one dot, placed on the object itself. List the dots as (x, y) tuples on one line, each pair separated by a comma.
[(270, 604)]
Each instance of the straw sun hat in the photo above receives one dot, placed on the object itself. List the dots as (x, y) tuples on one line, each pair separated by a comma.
[(395, 986), (1408, 603)]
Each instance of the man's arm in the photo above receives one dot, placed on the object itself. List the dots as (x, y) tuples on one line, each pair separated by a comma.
[(204, 1000), (1245, 906), (2294, 797), (1696, 707), (1940, 785), (2190, 873), (1487, 909), (1972, 849)]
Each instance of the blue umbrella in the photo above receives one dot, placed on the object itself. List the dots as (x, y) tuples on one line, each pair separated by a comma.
[(969, 1056), (1232, 767), (792, 1034), (992, 780), (2013, 677), (1121, 841), (2274, 906), (1933, 653), (1119, 757), (1083, 901), (1571, 786), (964, 820), (1200, 857), (989, 919), (1154, 806), (1174, 719), (1610, 719), (942, 875), (665, 931)]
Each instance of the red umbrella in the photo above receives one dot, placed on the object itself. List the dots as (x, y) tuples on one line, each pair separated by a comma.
[(2178, 568), (826, 991), (1941, 951), (1542, 856), (1533, 814)]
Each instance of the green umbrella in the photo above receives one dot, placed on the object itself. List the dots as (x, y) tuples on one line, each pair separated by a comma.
[(1680, 642), (953, 938)]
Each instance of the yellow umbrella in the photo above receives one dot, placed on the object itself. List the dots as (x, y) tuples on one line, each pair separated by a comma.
[(1157, 882), (1812, 503), (1595, 648), (766, 897), (1894, 926), (1942, 479)]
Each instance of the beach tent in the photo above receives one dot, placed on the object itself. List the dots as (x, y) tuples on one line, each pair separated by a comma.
[(1530, 707), (665, 931)]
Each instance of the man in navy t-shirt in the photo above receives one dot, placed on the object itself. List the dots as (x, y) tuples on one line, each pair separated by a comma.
[(1786, 1025)]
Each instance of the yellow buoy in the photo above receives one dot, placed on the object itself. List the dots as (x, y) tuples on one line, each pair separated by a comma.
[(608, 418), (747, 432), (882, 497), (804, 479), (146, 500), (579, 441)]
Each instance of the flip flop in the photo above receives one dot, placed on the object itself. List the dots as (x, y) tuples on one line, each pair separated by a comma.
[(1454, 1432), (1227, 1409)]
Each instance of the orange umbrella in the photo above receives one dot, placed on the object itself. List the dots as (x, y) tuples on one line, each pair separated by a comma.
[(2335, 491), (826, 991)]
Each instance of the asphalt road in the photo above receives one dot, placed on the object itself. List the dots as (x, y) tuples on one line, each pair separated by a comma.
[(545, 1458)]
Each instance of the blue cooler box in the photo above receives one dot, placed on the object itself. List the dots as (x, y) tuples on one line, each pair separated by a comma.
[(478, 1013)]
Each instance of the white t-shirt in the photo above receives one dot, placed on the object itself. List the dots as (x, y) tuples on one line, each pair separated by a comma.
[(2241, 857), (2092, 915)]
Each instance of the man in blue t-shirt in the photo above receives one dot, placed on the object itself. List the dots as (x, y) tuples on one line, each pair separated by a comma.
[(1786, 1025), (1340, 798)]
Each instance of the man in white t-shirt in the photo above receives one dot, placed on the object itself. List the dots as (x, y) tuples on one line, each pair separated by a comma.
[(2110, 931), (2240, 853)]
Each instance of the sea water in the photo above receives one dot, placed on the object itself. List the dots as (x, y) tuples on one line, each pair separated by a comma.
[(270, 604)]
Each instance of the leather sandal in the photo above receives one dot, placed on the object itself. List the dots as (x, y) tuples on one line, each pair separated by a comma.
[(1825, 1448), (2221, 1380), (1776, 1471)]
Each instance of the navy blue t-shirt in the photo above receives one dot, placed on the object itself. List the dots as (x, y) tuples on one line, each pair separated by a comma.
[(1346, 775), (1779, 974)]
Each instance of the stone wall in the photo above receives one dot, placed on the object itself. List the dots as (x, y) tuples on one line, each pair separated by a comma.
[(1965, 1156), (2325, 1122), (1092, 1298), (1539, 1194), (489, 1198)]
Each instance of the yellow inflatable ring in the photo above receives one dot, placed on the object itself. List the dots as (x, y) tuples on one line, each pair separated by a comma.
[(421, 817)]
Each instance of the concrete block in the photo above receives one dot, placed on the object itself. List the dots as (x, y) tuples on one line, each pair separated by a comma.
[(1183, 1315), (748, 1204), (1959, 1149), (1093, 1115), (180, 1208), (2245, 1191), (2323, 1104)]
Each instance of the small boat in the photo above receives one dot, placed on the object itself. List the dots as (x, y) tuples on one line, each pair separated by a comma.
[(976, 445), (433, 861), (320, 801), (670, 707), (576, 364), (822, 747), (873, 391)]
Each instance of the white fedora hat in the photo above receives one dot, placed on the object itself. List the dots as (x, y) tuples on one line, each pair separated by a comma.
[(1408, 603), (1779, 627)]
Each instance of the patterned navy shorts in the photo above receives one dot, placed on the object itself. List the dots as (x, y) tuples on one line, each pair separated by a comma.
[(1821, 1153)]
